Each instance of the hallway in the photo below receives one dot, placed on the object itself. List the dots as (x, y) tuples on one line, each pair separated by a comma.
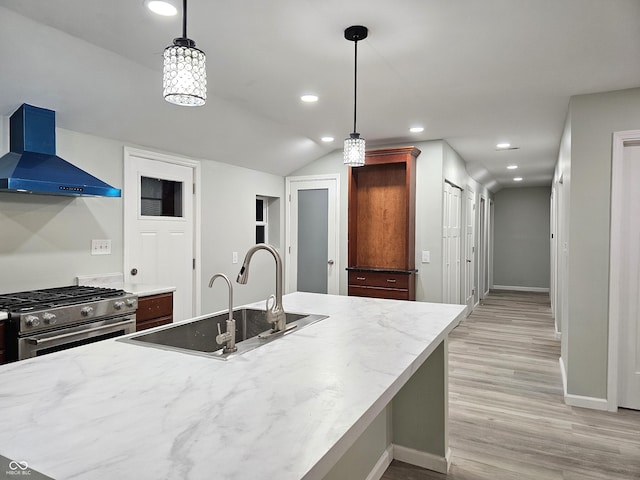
[(508, 419)]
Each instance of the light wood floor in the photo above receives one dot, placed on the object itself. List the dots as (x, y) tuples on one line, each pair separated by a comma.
[(507, 418)]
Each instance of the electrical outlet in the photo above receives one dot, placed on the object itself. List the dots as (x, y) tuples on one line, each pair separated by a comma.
[(234, 257), (100, 247), (426, 256)]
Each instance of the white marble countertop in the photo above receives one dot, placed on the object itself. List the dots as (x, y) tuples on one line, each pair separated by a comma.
[(287, 410), (116, 280), (146, 290)]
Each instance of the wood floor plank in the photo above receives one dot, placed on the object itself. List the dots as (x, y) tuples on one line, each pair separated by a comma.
[(507, 417)]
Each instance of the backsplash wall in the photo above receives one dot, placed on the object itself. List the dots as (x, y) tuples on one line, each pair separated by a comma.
[(45, 240)]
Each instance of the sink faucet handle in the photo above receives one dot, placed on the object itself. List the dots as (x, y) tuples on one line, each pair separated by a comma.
[(271, 297)]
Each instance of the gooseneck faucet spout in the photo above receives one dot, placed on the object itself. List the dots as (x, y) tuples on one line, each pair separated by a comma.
[(275, 313), (227, 338)]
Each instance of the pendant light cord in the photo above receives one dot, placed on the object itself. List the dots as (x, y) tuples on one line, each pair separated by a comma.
[(184, 19), (355, 85)]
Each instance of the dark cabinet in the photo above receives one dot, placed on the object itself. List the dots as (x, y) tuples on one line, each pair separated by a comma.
[(154, 310), (381, 252)]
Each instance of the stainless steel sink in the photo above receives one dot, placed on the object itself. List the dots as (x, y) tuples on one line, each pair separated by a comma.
[(198, 337)]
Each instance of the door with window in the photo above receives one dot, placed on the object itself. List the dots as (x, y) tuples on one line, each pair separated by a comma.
[(159, 227), (312, 234)]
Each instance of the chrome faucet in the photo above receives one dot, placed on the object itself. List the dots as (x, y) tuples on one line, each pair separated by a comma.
[(275, 313), (228, 338)]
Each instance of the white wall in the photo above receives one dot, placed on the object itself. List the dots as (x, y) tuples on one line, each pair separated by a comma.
[(429, 185), (45, 240), (521, 244), (585, 164), (228, 225)]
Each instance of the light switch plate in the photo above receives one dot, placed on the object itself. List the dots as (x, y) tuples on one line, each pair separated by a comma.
[(426, 256), (234, 257), (100, 247)]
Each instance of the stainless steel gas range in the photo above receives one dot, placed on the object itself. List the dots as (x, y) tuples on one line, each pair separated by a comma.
[(45, 321)]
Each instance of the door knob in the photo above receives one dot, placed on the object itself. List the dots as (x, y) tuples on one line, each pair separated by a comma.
[(134, 271), (330, 262)]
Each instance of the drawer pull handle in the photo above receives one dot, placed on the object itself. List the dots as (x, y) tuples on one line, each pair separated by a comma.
[(360, 278), (391, 280)]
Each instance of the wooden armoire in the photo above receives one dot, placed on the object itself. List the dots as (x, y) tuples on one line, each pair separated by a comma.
[(382, 197)]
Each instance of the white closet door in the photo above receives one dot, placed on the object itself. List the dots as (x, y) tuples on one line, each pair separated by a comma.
[(629, 372)]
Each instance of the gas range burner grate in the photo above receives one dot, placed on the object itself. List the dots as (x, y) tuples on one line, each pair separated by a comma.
[(55, 297)]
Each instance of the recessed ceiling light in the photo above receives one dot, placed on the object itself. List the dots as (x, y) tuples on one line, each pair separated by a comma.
[(416, 129), (512, 167), (503, 145), (327, 139), (164, 8), (309, 98), (517, 179)]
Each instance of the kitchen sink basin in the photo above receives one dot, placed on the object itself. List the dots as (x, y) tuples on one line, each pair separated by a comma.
[(198, 337)]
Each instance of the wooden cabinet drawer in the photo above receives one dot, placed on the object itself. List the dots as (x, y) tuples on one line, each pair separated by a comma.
[(154, 322), (154, 306), (375, 292), (379, 279)]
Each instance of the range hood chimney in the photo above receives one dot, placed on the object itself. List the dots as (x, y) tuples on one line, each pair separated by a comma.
[(32, 165)]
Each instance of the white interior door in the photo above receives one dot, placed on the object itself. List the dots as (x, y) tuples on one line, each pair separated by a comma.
[(488, 248), (452, 217), (159, 228), (470, 212), (446, 264), (483, 249), (455, 224), (552, 250), (629, 281), (313, 234)]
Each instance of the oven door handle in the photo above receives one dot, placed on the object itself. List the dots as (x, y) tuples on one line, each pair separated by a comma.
[(112, 326)]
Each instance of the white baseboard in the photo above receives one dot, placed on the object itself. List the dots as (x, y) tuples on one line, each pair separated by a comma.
[(382, 464), (564, 376), (570, 399), (520, 289), (423, 459), (593, 403)]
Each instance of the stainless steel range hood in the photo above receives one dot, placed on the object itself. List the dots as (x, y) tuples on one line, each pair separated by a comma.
[(32, 165)]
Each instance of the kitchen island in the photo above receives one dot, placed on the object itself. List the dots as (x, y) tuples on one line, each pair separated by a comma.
[(337, 399)]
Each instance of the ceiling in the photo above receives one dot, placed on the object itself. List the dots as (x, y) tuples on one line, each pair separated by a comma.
[(471, 72)]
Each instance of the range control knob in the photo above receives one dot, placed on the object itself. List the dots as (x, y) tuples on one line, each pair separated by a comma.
[(49, 318), (86, 311), (131, 302), (118, 305), (32, 321)]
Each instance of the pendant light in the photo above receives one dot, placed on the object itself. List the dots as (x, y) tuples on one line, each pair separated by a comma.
[(354, 145), (184, 73)]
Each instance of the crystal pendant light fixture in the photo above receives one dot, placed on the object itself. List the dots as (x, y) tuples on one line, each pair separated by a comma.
[(354, 146), (185, 74)]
